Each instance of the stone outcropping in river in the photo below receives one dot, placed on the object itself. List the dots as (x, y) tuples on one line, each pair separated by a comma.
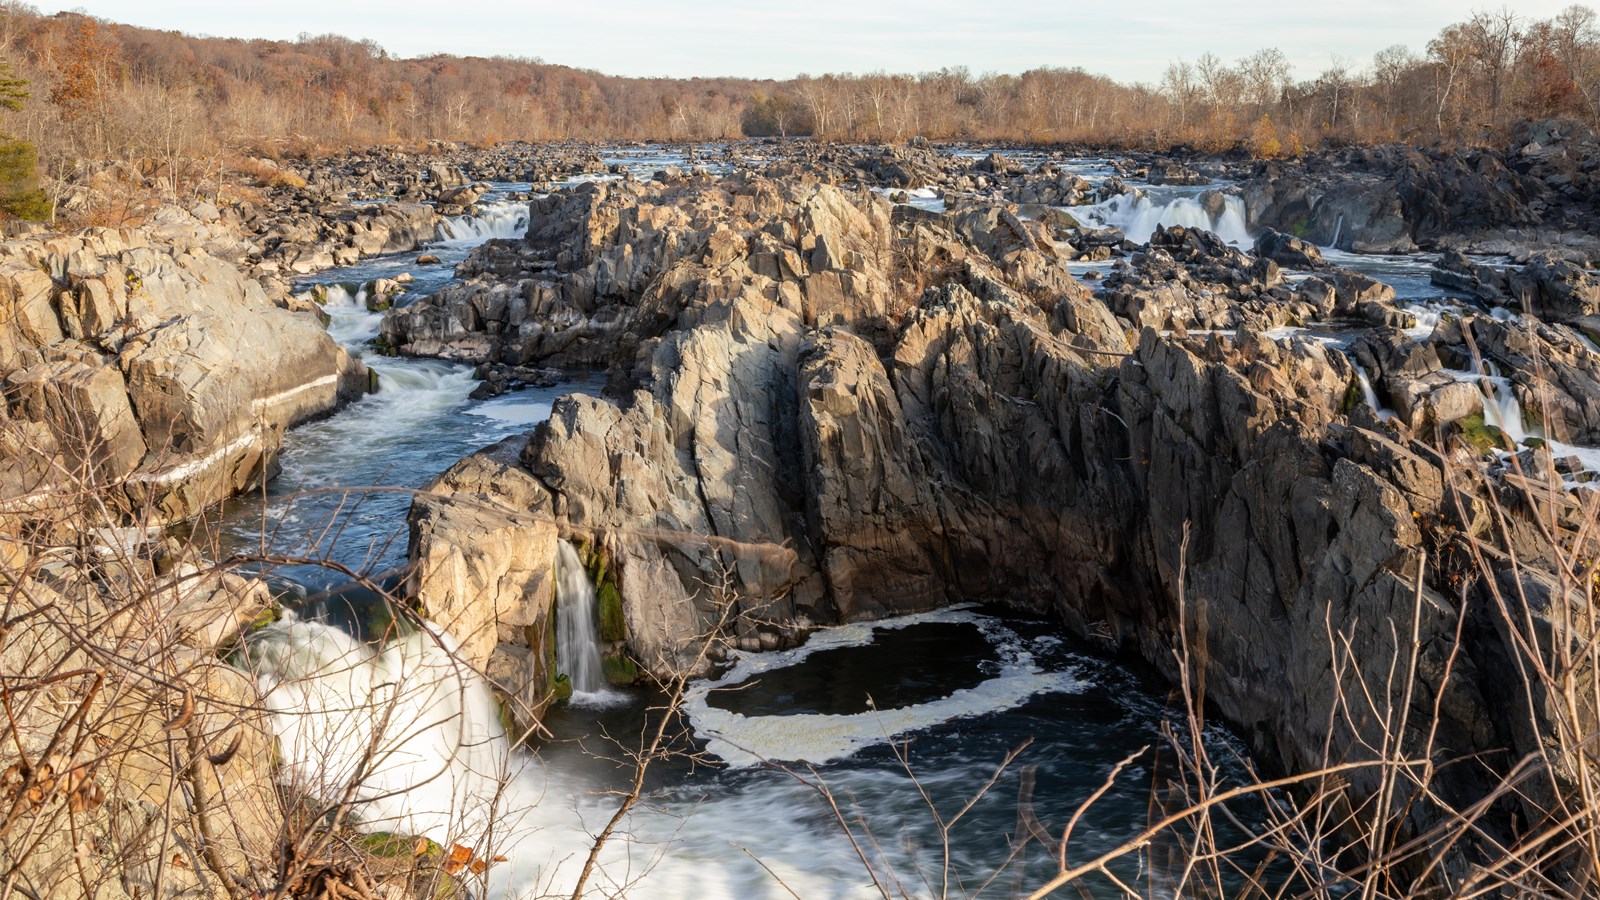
[(828, 409), (1541, 193), (142, 360)]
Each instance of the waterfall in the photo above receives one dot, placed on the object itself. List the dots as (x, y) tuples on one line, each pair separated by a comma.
[(408, 728), (577, 625), (1502, 410), (1137, 216), (504, 220), (1337, 231), (349, 321), (1371, 396)]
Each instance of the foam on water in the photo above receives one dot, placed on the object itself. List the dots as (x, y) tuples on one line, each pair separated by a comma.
[(742, 740), (1137, 215), (444, 768), (922, 198)]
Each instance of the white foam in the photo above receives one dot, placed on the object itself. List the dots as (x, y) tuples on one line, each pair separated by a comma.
[(1137, 216), (513, 411), (505, 220), (409, 731), (922, 198), (349, 321), (742, 740)]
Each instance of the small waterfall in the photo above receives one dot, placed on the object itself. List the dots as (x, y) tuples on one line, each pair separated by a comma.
[(1137, 216), (1337, 231), (1371, 396), (504, 221), (349, 321), (1505, 411), (577, 625), (1428, 317)]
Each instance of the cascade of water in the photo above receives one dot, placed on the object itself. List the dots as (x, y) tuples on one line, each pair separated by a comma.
[(1137, 216), (1505, 411), (349, 321), (1371, 396), (506, 220), (1337, 231), (411, 731), (577, 629), (1427, 320)]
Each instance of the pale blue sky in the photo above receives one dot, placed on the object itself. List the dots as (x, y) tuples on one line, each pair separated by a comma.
[(1130, 41)]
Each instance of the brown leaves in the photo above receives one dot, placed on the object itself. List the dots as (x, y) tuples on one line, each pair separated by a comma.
[(185, 713), (463, 858), (54, 779), (222, 759)]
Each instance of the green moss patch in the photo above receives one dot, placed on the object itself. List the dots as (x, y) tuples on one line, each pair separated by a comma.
[(1352, 397), (561, 688), (620, 670), (1481, 435), (608, 594)]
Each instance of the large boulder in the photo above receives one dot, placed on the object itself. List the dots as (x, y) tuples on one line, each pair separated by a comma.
[(166, 367)]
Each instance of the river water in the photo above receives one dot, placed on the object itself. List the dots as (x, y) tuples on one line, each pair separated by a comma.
[(901, 722)]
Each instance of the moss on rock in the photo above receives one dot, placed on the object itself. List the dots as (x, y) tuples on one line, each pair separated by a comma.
[(620, 669), (1481, 435)]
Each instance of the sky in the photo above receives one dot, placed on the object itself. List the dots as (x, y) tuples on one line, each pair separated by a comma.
[(784, 38)]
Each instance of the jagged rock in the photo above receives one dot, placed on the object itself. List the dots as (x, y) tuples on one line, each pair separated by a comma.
[(167, 368), (1288, 250), (1172, 172), (483, 549), (965, 420)]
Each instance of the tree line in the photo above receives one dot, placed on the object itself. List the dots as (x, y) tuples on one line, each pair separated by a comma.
[(87, 91)]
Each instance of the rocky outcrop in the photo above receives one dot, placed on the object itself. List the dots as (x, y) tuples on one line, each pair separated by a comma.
[(573, 294), (483, 547), (1536, 194), (155, 369), (146, 774), (968, 421), (1288, 250), (1550, 287)]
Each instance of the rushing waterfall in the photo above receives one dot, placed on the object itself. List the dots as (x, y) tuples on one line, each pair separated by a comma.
[(577, 628), (349, 321), (410, 731), (504, 220), (1338, 231), (1137, 216), (1505, 413)]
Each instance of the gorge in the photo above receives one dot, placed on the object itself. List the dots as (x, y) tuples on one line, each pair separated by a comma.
[(899, 459)]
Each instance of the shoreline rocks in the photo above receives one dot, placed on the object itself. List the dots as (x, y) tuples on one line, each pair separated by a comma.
[(145, 365)]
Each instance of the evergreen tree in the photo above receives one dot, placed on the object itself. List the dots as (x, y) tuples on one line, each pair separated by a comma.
[(20, 195)]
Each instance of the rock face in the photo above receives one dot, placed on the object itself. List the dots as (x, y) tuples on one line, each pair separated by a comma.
[(155, 369), (151, 777), (1550, 287), (822, 411), (483, 549), (1537, 194)]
